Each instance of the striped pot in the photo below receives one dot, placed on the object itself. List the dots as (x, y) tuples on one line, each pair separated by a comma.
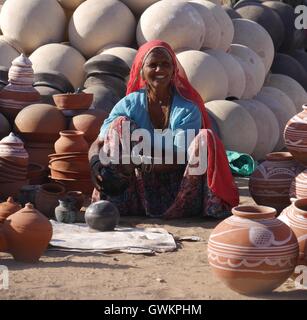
[(295, 136), (295, 216), (298, 188), (253, 252)]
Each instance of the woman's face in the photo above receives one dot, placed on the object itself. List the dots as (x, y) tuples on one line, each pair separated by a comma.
[(158, 69)]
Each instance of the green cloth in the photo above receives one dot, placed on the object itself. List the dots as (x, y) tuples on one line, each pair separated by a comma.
[(241, 163)]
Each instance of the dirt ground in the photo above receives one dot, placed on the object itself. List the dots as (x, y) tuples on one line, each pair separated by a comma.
[(183, 274)]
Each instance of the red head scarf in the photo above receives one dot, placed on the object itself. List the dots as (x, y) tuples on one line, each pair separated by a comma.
[(219, 177)]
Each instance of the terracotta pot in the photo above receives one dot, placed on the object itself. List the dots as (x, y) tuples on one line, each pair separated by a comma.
[(84, 185), (47, 197), (295, 136), (28, 234), (73, 101), (295, 216), (36, 173), (7, 208), (58, 174), (8, 189), (80, 165), (251, 251), (270, 183), (71, 141), (298, 188), (52, 80)]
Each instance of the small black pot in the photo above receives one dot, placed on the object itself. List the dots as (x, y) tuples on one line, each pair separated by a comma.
[(102, 216)]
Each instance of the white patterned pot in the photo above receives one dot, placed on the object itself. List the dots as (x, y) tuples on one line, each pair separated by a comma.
[(253, 252)]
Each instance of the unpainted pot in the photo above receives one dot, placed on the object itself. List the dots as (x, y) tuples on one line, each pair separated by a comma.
[(7, 208), (71, 141)]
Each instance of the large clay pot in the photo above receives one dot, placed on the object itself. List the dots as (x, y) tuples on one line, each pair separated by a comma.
[(7, 208), (172, 22), (47, 197), (253, 67), (90, 123), (295, 135), (267, 18), (267, 127), (301, 57), (298, 188), (95, 24), (62, 59), (138, 7), (40, 123), (295, 216), (234, 71), (205, 73), (70, 4), (252, 252), (230, 116), (287, 65), (233, 14), (269, 184), (28, 234), (102, 215), (71, 141), (73, 101), (261, 42), (282, 107), (36, 22), (290, 87)]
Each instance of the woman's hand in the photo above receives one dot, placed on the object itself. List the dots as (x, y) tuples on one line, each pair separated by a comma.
[(96, 167)]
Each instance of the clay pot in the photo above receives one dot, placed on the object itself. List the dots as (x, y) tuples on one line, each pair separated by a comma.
[(8, 189), (172, 23), (36, 173), (205, 72), (295, 216), (295, 135), (71, 141), (124, 53), (7, 208), (28, 194), (233, 14), (5, 127), (65, 212), (40, 123), (8, 52), (64, 174), (61, 59), (252, 252), (3, 242), (298, 188), (84, 185), (48, 15), (102, 215), (73, 101), (47, 197), (269, 185), (138, 7), (90, 123), (95, 24), (70, 165), (28, 234), (52, 80)]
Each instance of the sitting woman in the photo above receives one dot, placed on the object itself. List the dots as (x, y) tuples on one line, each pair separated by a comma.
[(159, 96)]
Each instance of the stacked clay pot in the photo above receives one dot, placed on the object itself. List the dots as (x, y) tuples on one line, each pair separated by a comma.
[(253, 252), (295, 216), (27, 234), (7, 208), (69, 165), (270, 183), (14, 161), (106, 78), (72, 104), (39, 126), (47, 198), (19, 92)]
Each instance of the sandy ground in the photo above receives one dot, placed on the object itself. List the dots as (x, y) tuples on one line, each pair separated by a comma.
[(183, 274)]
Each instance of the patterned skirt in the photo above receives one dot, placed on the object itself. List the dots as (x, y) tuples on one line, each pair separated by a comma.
[(172, 194)]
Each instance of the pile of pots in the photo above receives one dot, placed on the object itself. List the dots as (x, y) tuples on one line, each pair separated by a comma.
[(69, 164), (14, 161)]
